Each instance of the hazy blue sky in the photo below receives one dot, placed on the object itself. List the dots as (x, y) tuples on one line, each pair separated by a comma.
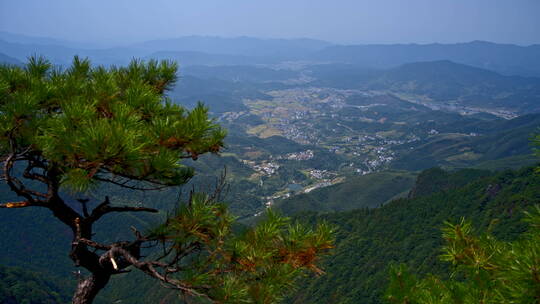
[(343, 21)]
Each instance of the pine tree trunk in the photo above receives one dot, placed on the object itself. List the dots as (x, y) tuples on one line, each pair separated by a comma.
[(88, 288)]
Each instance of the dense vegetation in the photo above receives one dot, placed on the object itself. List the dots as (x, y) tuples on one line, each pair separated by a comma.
[(26, 287), (409, 231), (484, 269), (356, 192)]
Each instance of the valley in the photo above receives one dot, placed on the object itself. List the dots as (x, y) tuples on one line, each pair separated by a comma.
[(385, 150), (322, 136)]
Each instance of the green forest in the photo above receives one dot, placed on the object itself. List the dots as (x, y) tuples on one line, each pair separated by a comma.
[(408, 230)]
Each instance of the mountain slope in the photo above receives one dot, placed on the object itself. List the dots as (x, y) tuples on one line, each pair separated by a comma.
[(470, 86), (442, 83), (22, 286), (408, 231), (494, 139), (370, 190)]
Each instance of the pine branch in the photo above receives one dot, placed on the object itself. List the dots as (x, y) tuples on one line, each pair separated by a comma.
[(125, 184), (149, 268), (105, 208), (18, 187), (20, 204)]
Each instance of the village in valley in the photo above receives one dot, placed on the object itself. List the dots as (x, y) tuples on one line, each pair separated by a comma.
[(364, 136)]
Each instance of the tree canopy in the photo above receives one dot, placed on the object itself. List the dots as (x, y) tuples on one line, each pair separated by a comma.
[(486, 270), (65, 131), (98, 124)]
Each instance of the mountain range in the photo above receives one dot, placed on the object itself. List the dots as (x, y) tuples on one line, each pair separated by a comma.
[(503, 58)]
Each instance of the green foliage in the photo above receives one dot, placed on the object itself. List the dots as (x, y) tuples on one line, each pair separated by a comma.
[(512, 162), (257, 265), (486, 270), (407, 231), (91, 123), (371, 190), (536, 142), (26, 287), (436, 179)]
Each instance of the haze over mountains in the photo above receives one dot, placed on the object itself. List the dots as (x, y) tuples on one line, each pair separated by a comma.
[(503, 58)]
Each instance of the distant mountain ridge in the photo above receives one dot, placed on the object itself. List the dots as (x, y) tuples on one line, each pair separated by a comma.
[(247, 46), (190, 58), (26, 39), (507, 59), (441, 81), (196, 49), (63, 55), (5, 59)]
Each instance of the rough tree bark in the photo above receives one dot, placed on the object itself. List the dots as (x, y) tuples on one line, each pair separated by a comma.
[(88, 288)]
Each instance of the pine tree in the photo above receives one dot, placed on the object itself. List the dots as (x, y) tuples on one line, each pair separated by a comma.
[(73, 130), (486, 270)]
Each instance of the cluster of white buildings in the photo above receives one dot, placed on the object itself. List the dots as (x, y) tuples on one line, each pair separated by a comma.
[(304, 155), (266, 168)]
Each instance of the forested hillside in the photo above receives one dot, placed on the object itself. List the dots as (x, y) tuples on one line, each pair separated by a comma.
[(26, 287), (408, 230), (368, 191)]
